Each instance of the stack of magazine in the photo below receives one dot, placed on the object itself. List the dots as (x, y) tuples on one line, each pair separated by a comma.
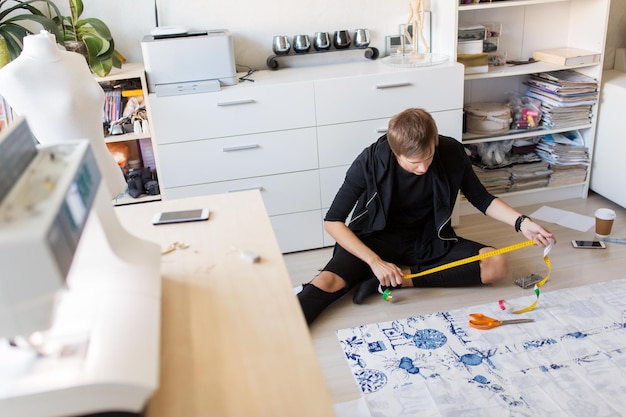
[(567, 155), (566, 97), (518, 169), (496, 181), (530, 176)]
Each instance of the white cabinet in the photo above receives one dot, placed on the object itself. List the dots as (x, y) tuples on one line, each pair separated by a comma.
[(528, 25), (608, 171), (292, 135)]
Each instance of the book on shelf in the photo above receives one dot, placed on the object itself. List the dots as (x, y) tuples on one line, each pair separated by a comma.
[(566, 56)]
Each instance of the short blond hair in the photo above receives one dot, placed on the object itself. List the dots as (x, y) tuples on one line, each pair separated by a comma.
[(412, 132)]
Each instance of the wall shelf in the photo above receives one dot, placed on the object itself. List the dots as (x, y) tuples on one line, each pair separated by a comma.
[(369, 52), (469, 138), (525, 69), (126, 136)]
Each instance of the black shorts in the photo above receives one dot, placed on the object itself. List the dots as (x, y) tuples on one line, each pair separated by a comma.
[(401, 251)]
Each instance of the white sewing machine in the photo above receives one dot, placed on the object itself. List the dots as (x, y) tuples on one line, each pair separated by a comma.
[(79, 295)]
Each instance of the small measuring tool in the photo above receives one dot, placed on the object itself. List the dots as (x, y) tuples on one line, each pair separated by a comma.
[(614, 240), (482, 322), (386, 294), (471, 259)]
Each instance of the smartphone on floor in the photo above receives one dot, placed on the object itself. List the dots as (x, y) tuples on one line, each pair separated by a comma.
[(183, 216), (588, 244)]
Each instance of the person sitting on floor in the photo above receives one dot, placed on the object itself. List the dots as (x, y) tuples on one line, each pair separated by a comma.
[(401, 191)]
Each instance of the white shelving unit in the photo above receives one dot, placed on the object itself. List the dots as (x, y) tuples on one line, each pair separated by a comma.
[(140, 145), (527, 25)]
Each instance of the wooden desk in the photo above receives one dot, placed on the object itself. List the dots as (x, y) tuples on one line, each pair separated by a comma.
[(234, 341)]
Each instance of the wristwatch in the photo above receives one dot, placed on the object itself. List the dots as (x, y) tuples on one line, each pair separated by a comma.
[(518, 222)]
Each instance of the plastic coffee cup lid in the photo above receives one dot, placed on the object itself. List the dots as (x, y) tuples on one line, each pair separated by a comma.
[(605, 213)]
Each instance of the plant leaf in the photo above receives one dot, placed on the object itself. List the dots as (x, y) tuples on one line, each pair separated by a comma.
[(98, 25), (33, 15), (76, 9), (118, 59), (96, 46), (45, 22), (101, 66), (10, 32)]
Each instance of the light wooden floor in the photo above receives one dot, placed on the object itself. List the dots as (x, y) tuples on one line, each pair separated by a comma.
[(571, 267)]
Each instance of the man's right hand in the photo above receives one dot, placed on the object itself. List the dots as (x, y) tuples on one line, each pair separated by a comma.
[(389, 275)]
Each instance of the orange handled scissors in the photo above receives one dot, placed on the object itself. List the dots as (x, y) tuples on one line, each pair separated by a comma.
[(482, 322)]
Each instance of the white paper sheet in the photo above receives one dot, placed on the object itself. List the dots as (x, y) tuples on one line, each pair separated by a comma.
[(564, 218)]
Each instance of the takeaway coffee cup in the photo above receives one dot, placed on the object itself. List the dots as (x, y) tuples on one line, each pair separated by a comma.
[(604, 221)]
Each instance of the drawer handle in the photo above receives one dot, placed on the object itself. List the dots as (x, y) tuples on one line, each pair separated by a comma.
[(393, 85), (381, 130), (240, 147), (236, 190), (235, 102)]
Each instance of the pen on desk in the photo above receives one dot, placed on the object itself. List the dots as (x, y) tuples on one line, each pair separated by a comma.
[(613, 240)]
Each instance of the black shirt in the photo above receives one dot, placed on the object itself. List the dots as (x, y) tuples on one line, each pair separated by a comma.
[(411, 200)]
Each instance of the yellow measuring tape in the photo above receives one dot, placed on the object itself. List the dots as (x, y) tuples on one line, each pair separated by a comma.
[(387, 292)]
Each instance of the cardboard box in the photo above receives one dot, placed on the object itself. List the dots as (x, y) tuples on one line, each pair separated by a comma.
[(567, 56), (474, 63)]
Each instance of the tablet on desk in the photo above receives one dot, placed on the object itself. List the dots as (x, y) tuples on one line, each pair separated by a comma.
[(183, 216)]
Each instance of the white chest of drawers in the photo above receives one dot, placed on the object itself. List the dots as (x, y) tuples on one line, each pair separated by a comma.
[(292, 134)]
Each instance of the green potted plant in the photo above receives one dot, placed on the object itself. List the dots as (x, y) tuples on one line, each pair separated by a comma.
[(94, 34), (15, 18)]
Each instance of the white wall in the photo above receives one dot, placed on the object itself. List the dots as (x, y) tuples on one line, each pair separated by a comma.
[(129, 21), (253, 23)]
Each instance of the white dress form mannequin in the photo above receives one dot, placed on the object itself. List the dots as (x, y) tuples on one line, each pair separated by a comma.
[(56, 93)]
